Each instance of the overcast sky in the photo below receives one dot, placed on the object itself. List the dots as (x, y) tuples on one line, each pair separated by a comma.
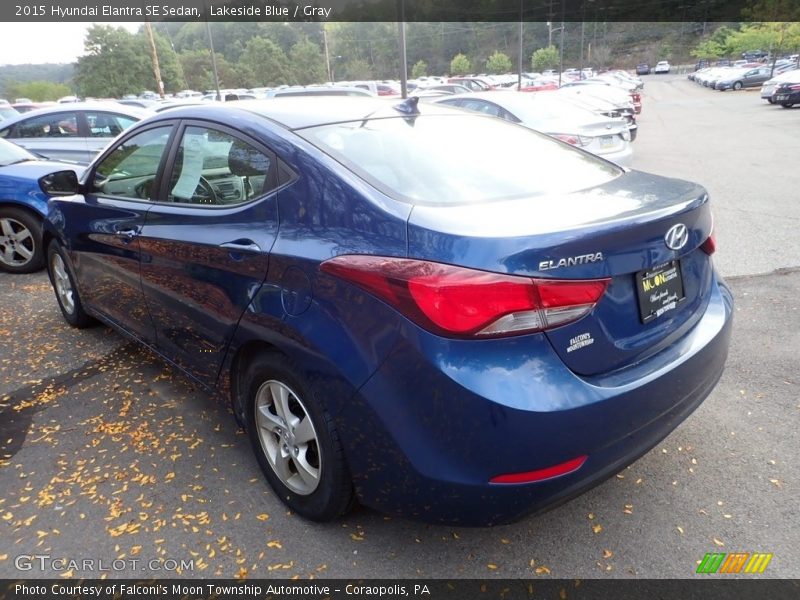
[(33, 43)]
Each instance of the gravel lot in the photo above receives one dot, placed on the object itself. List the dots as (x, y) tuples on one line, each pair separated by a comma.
[(106, 454)]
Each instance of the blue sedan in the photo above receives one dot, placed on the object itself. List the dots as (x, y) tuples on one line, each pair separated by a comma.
[(436, 313), (23, 206)]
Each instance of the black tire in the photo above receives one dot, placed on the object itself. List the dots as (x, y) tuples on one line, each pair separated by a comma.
[(770, 100), (63, 281), (20, 241), (321, 498), (787, 104), (737, 86)]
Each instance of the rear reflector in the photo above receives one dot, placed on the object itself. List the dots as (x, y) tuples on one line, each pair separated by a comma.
[(461, 302), (542, 474)]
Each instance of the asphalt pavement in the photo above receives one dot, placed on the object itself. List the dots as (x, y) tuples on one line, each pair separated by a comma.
[(112, 460)]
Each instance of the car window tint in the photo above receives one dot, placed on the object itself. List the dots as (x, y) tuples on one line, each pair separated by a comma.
[(455, 159), (130, 170), (107, 124), (55, 125), (215, 168)]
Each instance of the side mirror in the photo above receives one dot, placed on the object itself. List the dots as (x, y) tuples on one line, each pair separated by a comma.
[(60, 183)]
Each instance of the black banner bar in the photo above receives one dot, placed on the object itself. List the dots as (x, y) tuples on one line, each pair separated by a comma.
[(716, 588), (388, 10)]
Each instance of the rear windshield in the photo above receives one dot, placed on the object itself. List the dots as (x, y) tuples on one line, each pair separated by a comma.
[(458, 159)]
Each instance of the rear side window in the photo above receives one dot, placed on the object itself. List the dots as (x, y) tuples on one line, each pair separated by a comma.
[(458, 159), (107, 124)]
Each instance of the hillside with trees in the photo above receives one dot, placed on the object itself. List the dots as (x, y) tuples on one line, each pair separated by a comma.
[(251, 54)]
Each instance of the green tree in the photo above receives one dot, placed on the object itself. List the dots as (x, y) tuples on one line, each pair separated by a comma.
[(545, 58), (420, 69), (118, 62), (665, 52), (498, 63), (354, 69), (199, 73), (307, 63), (460, 65), (114, 64), (264, 63)]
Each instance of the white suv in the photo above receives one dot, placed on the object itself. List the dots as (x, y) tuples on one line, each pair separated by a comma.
[(661, 67)]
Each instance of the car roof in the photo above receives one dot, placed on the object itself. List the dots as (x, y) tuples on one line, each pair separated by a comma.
[(298, 112), (111, 106)]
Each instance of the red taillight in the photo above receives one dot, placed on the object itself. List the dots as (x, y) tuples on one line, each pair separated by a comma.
[(710, 245), (570, 139), (461, 302), (541, 474)]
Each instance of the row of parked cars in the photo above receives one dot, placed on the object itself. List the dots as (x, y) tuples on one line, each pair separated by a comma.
[(778, 82), (596, 114)]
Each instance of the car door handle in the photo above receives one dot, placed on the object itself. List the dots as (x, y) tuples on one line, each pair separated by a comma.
[(127, 232), (241, 246)]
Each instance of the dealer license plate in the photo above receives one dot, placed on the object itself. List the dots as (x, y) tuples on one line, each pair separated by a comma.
[(659, 289)]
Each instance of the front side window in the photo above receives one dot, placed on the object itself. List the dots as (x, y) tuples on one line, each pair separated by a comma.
[(130, 170), (57, 125), (215, 168)]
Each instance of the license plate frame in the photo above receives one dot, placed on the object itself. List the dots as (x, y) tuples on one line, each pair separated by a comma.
[(659, 290), (781, 97), (607, 141)]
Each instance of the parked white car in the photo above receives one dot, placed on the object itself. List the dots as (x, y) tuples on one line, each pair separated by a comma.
[(661, 67), (546, 113)]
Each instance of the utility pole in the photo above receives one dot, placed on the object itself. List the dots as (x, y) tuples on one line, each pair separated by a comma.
[(401, 26), (327, 54), (154, 58), (519, 66)]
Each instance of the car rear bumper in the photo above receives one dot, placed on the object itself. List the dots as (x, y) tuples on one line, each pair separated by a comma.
[(621, 157), (440, 418)]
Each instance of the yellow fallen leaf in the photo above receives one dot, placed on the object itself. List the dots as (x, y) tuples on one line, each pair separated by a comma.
[(607, 554), (562, 593), (542, 570), (491, 566), (357, 538), (262, 517), (274, 544), (680, 529), (718, 542), (597, 528)]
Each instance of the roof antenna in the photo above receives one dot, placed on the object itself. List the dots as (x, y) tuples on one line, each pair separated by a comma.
[(409, 106)]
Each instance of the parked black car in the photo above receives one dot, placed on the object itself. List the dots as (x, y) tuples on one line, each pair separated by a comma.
[(642, 69), (786, 94)]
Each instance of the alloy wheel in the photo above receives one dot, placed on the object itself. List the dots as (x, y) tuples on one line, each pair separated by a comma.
[(288, 437), (62, 283), (17, 244)]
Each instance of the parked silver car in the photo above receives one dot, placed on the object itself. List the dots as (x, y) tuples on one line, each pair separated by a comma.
[(74, 131)]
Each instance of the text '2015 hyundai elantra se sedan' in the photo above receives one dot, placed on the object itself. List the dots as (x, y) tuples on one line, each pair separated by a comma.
[(438, 314)]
